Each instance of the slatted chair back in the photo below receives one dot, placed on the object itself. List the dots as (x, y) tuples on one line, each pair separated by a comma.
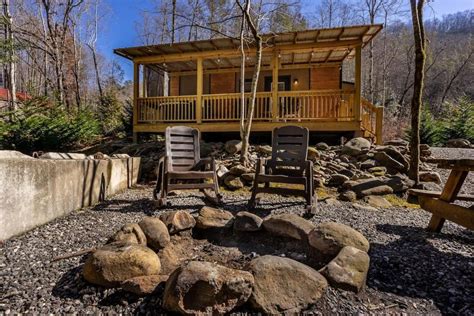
[(289, 150), (182, 148)]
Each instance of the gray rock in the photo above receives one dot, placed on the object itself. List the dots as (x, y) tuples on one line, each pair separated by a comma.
[(327, 239), (356, 146), (238, 170), (112, 264), (233, 146), (428, 176), (349, 196), (210, 217), (247, 222), (156, 233), (129, 233), (284, 285), (458, 143), (264, 149), (206, 288), (377, 201), (222, 172), (313, 154), (385, 160), (364, 187), (337, 180), (288, 225), (177, 221), (348, 271), (143, 285), (322, 146), (233, 182)]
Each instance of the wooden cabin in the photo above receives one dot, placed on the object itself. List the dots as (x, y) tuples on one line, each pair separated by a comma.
[(198, 83)]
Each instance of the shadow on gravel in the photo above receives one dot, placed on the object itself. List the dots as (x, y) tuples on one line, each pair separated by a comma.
[(411, 266), (71, 285), (126, 206)]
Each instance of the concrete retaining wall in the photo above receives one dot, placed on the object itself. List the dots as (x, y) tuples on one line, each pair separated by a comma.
[(36, 191)]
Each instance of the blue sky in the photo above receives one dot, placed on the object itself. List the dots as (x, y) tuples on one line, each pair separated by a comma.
[(119, 27)]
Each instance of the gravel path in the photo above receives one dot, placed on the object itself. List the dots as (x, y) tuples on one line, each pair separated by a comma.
[(412, 271)]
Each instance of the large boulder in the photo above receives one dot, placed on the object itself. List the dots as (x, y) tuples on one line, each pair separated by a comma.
[(327, 239), (233, 146), (129, 233), (156, 233), (210, 217), (394, 153), (114, 263), (284, 285), (288, 225), (348, 271), (143, 285), (356, 146), (247, 222), (177, 221), (172, 256), (206, 288)]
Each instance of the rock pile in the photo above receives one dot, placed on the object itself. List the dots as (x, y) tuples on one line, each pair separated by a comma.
[(356, 169), (141, 257)]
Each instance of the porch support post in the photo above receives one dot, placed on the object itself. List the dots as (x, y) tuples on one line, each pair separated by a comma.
[(199, 85), (275, 65), (357, 83), (379, 125), (136, 79)]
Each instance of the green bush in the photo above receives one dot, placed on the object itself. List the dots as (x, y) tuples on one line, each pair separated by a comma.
[(457, 121), (37, 125), (111, 113)]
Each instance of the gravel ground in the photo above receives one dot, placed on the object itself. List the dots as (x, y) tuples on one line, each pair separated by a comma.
[(412, 271)]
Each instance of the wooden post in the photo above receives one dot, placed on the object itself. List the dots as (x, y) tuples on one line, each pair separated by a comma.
[(275, 65), (358, 79), (379, 125), (199, 85), (136, 79)]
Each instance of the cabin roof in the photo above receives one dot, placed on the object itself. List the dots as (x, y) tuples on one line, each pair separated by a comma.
[(329, 42)]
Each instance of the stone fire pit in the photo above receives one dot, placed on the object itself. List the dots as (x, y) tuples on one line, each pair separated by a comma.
[(165, 256)]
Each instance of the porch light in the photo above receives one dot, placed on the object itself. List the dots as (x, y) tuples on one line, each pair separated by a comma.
[(295, 82), (218, 60)]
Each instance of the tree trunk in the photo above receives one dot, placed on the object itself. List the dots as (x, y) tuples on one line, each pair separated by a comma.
[(242, 79), (256, 73), (416, 102), (8, 20)]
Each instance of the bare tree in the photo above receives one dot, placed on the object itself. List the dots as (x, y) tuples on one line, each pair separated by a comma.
[(245, 133), (10, 62), (416, 103)]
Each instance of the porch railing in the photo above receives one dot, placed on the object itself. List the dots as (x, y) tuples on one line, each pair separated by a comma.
[(166, 109), (227, 107), (331, 105), (371, 119)]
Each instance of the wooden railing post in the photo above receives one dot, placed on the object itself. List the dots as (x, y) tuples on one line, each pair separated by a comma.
[(136, 78), (275, 66), (357, 83), (379, 125), (199, 86)]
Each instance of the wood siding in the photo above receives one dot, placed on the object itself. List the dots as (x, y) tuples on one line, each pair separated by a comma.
[(325, 78)]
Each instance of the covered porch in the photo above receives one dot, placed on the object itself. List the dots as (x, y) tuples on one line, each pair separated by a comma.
[(198, 83)]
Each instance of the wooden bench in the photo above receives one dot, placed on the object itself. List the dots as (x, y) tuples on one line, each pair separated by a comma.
[(437, 194), (440, 204)]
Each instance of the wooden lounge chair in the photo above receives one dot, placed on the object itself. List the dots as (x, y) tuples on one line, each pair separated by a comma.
[(288, 165), (182, 167)]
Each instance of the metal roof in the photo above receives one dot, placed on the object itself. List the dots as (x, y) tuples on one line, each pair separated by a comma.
[(328, 53)]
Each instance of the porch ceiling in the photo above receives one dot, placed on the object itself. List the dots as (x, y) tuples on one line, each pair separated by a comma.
[(328, 42)]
